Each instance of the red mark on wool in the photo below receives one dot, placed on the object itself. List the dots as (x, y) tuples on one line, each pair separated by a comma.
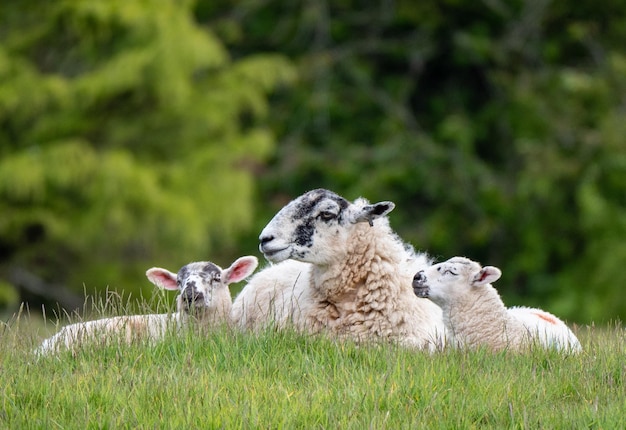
[(547, 317)]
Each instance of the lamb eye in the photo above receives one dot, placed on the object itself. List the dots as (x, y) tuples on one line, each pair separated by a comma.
[(449, 272), (326, 216)]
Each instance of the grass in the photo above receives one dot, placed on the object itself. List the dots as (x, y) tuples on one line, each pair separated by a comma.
[(284, 380)]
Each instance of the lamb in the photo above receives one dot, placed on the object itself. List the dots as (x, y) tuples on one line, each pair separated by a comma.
[(203, 296), (340, 269), (475, 315)]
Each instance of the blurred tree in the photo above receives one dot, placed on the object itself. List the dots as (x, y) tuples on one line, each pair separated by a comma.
[(496, 127), (127, 139)]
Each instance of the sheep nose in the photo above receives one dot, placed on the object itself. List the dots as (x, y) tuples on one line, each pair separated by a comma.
[(264, 240), (190, 295), (419, 279)]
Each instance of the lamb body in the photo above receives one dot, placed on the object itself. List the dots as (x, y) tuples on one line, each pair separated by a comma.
[(475, 315), (339, 269), (203, 295)]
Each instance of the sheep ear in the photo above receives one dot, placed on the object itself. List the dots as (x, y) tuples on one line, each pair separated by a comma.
[(370, 212), (240, 269), (162, 278), (487, 275)]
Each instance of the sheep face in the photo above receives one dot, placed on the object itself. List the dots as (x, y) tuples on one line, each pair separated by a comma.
[(199, 284), (203, 285), (313, 227), (443, 282)]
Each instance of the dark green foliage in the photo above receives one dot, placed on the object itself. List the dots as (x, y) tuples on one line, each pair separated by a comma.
[(496, 128)]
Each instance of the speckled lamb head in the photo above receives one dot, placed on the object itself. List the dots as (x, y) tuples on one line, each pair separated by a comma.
[(313, 227), (202, 286), (443, 282)]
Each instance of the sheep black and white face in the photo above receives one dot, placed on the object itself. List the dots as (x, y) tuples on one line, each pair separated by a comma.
[(443, 282), (313, 227), (201, 285), (198, 284)]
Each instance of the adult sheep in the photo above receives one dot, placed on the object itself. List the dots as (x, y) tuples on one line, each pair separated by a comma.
[(203, 296), (351, 276), (475, 315)]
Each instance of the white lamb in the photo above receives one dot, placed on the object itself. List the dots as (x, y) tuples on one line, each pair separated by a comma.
[(203, 296), (475, 315), (352, 277)]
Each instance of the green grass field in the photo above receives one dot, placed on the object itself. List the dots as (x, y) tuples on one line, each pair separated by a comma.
[(283, 380)]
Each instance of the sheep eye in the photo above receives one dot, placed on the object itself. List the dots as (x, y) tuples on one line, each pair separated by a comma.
[(326, 216), (445, 271)]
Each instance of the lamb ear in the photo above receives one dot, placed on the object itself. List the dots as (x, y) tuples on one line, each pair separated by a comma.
[(487, 275), (162, 278), (240, 269), (370, 212)]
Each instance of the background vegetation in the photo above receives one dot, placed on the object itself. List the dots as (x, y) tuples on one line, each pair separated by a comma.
[(152, 133)]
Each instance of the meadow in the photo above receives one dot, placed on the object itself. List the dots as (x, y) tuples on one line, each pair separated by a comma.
[(283, 380)]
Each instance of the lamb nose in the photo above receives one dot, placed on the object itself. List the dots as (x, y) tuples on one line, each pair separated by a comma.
[(190, 295), (419, 278)]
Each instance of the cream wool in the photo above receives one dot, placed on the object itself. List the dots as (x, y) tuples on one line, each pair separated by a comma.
[(128, 328), (273, 296), (353, 278), (475, 315)]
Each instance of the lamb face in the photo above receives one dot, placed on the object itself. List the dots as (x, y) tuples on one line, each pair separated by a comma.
[(199, 284), (444, 282), (310, 227), (202, 286)]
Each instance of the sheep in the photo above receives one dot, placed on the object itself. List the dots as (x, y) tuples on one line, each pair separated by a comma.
[(339, 269), (203, 296), (475, 315)]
